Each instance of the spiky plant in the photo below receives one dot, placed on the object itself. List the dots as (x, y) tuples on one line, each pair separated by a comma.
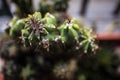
[(51, 52)]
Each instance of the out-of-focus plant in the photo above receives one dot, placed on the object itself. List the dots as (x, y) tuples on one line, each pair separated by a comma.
[(53, 6), (45, 50), (61, 5), (24, 7), (46, 6), (102, 66)]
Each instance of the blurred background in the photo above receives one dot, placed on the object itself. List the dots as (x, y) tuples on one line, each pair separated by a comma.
[(103, 16)]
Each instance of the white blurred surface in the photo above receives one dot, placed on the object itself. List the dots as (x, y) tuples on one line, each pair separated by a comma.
[(98, 11), (3, 23)]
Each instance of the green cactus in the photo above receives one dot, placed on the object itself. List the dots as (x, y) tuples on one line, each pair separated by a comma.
[(34, 29), (53, 44)]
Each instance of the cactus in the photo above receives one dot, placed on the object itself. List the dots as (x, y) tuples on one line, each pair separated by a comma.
[(45, 42), (35, 29)]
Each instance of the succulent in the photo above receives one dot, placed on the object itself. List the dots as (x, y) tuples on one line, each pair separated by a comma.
[(44, 47), (34, 29)]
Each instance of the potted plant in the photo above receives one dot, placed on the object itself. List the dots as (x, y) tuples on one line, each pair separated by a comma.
[(40, 49)]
